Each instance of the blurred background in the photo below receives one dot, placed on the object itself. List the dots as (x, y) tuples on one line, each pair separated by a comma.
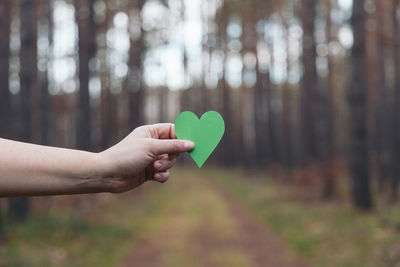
[(306, 174)]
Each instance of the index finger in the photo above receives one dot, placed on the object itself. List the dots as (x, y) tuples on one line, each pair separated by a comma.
[(165, 130)]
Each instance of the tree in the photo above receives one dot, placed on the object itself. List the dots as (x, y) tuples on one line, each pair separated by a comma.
[(106, 106), (287, 104), (309, 82), (328, 189), (84, 17), (162, 104), (357, 100), (19, 207), (206, 45), (47, 7), (5, 106), (225, 94), (262, 85), (384, 142), (396, 63), (184, 95), (271, 115), (135, 82)]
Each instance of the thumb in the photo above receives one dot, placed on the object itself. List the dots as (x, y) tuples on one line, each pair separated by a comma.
[(169, 146)]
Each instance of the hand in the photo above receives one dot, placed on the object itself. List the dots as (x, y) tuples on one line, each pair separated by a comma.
[(146, 154)]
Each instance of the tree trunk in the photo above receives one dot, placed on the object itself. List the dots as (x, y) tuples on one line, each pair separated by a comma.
[(309, 82), (287, 100), (106, 107), (329, 182), (204, 103), (45, 96), (357, 100), (383, 111), (250, 39), (287, 112), (396, 58), (261, 115), (5, 107), (272, 142), (135, 82), (19, 207), (84, 14), (162, 106), (227, 142)]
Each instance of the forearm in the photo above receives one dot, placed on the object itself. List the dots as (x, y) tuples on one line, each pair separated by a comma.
[(27, 169)]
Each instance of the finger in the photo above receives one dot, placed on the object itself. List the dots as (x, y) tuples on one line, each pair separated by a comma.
[(149, 173), (161, 177), (159, 147), (173, 156), (163, 156), (172, 132), (163, 165), (163, 131)]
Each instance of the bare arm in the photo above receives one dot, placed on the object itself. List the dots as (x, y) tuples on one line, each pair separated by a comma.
[(146, 154)]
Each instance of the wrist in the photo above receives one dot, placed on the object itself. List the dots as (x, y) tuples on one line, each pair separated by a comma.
[(106, 177), (98, 173)]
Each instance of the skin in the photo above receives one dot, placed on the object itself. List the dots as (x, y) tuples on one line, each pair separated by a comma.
[(145, 154)]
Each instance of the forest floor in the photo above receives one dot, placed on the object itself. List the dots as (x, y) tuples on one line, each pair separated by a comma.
[(208, 227), (208, 217)]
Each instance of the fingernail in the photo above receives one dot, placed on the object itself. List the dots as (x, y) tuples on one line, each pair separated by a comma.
[(189, 144), (157, 176)]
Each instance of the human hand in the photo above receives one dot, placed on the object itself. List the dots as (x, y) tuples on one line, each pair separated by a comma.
[(145, 154)]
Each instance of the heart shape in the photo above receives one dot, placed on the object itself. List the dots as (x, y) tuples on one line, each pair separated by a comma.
[(206, 133)]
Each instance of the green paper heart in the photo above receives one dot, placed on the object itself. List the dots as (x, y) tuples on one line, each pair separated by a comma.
[(205, 132)]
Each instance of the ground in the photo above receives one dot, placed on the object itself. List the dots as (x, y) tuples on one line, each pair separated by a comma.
[(209, 228), (207, 217)]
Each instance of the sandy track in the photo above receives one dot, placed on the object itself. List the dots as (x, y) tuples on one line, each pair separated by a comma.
[(210, 228)]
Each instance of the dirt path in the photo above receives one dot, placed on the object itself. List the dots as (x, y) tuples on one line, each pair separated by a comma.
[(209, 228)]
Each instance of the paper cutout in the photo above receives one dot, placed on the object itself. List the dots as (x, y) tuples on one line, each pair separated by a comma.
[(206, 133)]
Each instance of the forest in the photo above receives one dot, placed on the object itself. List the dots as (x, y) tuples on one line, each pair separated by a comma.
[(309, 91)]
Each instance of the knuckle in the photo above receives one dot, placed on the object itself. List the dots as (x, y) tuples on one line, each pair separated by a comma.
[(139, 129), (146, 145), (169, 165), (158, 164)]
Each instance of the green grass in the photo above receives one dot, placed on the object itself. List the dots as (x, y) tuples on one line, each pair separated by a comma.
[(323, 233), (103, 237), (50, 239), (174, 214)]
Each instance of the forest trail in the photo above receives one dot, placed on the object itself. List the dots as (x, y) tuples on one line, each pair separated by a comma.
[(208, 227)]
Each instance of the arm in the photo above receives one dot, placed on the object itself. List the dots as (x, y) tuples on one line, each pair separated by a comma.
[(146, 154)]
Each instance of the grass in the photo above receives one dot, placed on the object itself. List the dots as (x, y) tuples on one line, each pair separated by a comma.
[(323, 233), (103, 237), (174, 214)]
